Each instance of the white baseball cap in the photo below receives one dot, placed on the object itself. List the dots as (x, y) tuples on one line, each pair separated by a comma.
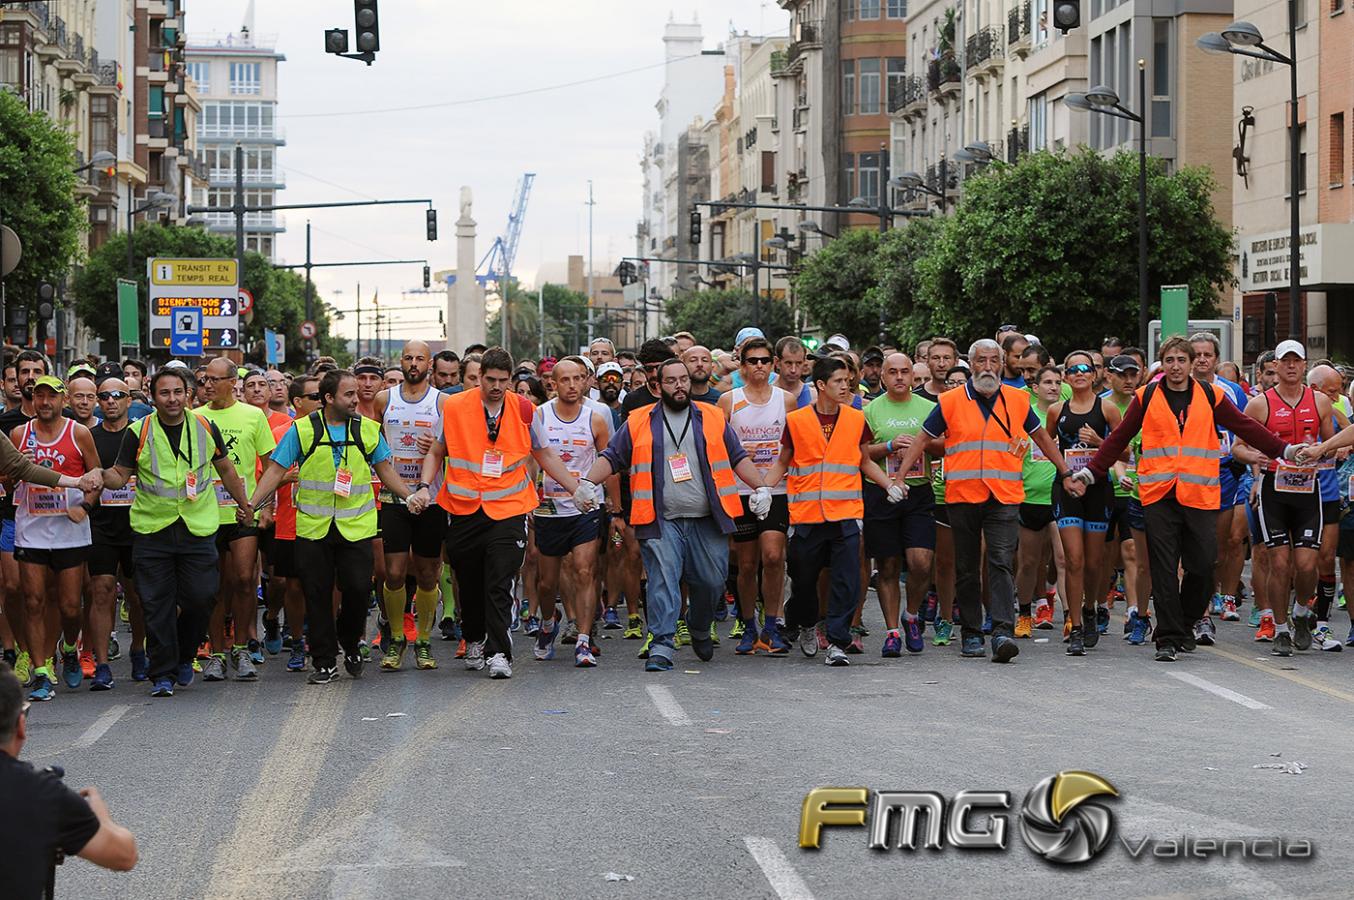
[(1290, 346), (609, 367)]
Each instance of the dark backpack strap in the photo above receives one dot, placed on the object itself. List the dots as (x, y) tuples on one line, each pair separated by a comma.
[(317, 432), (355, 429)]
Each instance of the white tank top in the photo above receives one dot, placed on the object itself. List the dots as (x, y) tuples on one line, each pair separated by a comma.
[(40, 519), (759, 429), (574, 443), (404, 421)]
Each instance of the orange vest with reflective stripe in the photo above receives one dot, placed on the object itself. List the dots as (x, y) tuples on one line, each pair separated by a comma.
[(978, 460), (1186, 461), (642, 511), (823, 477), (467, 437)]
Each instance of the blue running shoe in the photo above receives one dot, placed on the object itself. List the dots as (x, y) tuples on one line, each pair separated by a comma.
[(893, 646), (71, 672), (914, 635), (141, 665), (532, 626), (1254, 620), (164, 687), (516, 625), (1142, 627), (297, 661), (972, 647), (103, 678), (272, 636), (1102, 620), (43, 689), (256, 652), (185, 674), (545, 641), (931, 608), (1216, 605), (987, 624), (658, 664), (611, 621), (1128, 622), (771, 642), (747, 644), (583, 657)]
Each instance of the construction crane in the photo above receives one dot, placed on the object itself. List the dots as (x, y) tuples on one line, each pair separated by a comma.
[(498, 262)]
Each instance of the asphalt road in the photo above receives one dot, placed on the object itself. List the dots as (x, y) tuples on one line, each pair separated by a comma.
[(690, 783)]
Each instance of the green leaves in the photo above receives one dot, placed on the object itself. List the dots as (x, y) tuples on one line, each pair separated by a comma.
[(714, 317)]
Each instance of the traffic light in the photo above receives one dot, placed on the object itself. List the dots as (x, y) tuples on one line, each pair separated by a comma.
[(368, 26), (427, 277), (336, 40), (811, 344), (432, 224), (695, 227), (1066, 14), (46, 296)]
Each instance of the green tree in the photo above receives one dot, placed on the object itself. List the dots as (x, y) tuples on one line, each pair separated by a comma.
[(715, 317), (1050, 243), (37, 198), (836, 286), (895, 290), (566, 318)]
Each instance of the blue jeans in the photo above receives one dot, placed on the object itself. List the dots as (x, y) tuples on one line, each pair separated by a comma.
[(690, 551)]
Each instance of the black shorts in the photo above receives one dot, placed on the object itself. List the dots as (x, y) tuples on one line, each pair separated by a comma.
[(402, 531), (104, 559), (1345, 549), (1330, 512), (283, 558), (62, 558), (1119, 529), (1286, 518), (942, 515), (748, 527), (1036, 516), (912, 526), (557, 535), (229, 534), (1090, 512)]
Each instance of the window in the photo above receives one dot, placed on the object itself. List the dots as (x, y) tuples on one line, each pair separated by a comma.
[(850, 6), (1038, 123), (896, 9), (1039, 21), (1161, 77), (848, 87), (869, 9), (848, 186), (869, 87), (155, 105), (199, 71), (244, 78), (871, 167), (897, 70), (1337, 150)]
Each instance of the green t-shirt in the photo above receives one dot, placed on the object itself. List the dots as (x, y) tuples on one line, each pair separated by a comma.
[(1039, 471), (246, 435), (1119, 491), (889, 418)]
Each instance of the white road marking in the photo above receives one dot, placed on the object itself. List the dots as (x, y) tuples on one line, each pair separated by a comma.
[(785, 881), (668, 705), (100, 726), (1219, 690)]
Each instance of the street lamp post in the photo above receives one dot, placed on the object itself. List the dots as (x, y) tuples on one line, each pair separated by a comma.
[(1244, 39), (912, 181), (156, 201), (1104, 100)]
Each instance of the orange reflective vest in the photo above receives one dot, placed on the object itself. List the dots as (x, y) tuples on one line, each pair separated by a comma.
[(506, 492), (823, 477), (1185, 460), (642, 510), (985, 455)]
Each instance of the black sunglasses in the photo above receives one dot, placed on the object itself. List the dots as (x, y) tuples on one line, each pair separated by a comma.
[(111, 395), (1005, 328), (757, 360), (314, 396)]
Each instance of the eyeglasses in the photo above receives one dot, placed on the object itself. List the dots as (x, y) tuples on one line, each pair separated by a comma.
[(314, 396), (213, 379), (1078, 369), (1005, 328), (111, 395), (955, 382), (757, 360)]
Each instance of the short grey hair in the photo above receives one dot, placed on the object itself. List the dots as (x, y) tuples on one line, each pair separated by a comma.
[(983, 344), (1200, 337)]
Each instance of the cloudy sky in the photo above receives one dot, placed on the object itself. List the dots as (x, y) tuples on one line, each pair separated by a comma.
[(447, 58)]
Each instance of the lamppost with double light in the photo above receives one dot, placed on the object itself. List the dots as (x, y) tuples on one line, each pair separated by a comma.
[(1244, 39), (1103, 100)]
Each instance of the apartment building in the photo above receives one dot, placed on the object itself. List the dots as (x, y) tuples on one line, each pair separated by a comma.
[(237, 77), (165, 106)]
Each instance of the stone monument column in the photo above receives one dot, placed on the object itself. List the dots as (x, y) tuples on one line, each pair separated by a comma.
[(466, 317)]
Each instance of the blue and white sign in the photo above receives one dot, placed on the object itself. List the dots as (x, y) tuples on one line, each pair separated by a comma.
[(274, 346), (185, 331)]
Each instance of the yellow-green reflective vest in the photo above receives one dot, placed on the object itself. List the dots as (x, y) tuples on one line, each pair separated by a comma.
[(162, 477), (316, 502)]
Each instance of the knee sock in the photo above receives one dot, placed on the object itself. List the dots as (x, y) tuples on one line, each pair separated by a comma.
[(448, 601), (394, 607), (425, 605), (1325, 596)]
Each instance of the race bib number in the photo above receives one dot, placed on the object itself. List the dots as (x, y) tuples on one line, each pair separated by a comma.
[(763, 453), (45, 501), (223, 497), (121, 497), (680, 467), (343, 483), (918, 469), (1078, 457), (492, 464), (409, 470), (1294, 479)]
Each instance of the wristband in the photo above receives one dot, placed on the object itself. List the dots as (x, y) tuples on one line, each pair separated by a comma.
[(888, 445), (422, 485)]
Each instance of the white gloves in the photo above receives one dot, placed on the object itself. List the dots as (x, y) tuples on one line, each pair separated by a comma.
[(897, 493), (1085, 476), (760, 502), (585, 498), (1298, 453)]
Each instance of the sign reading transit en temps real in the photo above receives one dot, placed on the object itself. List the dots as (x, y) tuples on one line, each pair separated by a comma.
[(1063, 821), (211, 285)]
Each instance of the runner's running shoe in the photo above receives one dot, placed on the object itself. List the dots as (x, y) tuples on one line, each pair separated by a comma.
[(1205, 634), (714, 634), (913, 636), (1256, 617), (771, 642), (297, 661), (545, 638), (1142, 628), (244, 665), (43, 689), (103, 678), (836, 657), (1324, 639), (164, 687), (353, 665), (808, 641), (1266, 630), (1102, 620), (1024, 626), (460, 649), (394, 657), (532, 627), (272, 636), (255, 651), (737, 630), (423, 655), (1302, 631), (747, 644), (570, 633), (1043, 616), (644, 647), (683, 636), (87, 663), (611, 620), (114, 648), (893, 646), (474, 656), (141, 665), (323, 675), (583, 658), (499, 667), (1075, 645), (1283, 644), (23, 666), (1215, 605), (944, 632), (634, 629), (71, 672), (1229, 613), (185, 674), (931, 607)]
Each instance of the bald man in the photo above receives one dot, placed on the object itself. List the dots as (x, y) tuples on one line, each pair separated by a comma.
[(701, 365), (81, 394)]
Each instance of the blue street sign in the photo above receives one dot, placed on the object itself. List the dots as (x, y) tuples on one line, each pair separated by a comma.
[(272, 342), (185, 331)]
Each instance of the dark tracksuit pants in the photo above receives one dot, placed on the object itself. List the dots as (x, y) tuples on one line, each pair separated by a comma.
[(486, 556), (177, 577), (969, 524), (836, 546), (1180, 537), (334, 559)]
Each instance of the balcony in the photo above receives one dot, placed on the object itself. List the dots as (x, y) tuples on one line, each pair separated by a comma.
[(907, 96), (1017, 143), (1018, 30), (985, 51), (806, 35), (253, 178), (779, 63), (943, 76)]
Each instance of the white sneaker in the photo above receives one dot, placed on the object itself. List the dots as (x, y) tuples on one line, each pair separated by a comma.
[(499, 667), (474, 655), (1324, 639), (836, 656)]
